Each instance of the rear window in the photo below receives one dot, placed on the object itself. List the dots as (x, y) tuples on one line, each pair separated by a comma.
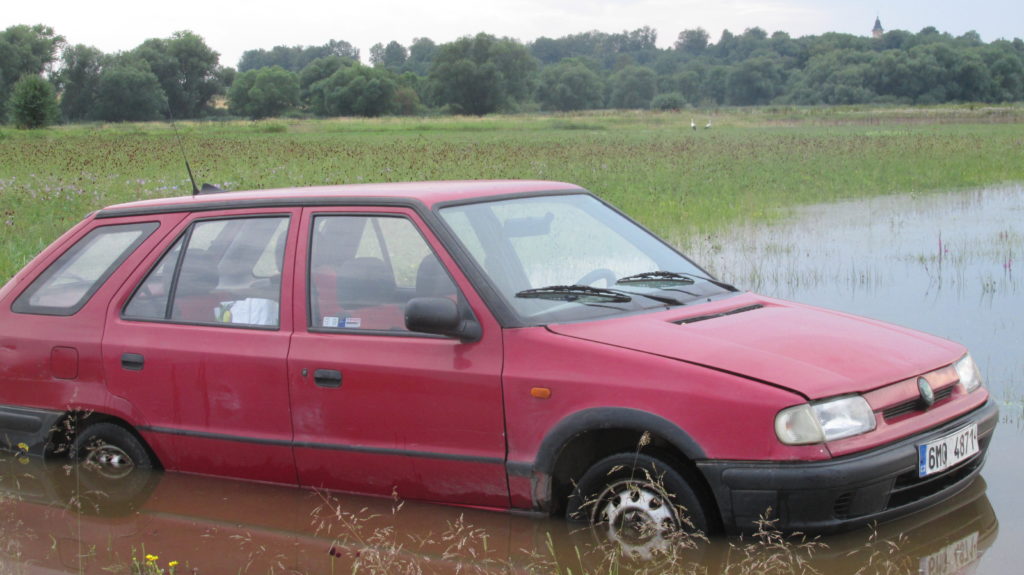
[(68, 283), (222, 271)]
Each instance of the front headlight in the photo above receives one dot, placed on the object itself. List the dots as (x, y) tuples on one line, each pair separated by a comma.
[(967, 371), (823, 421)]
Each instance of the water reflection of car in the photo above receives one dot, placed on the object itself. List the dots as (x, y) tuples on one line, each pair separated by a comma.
[(217, 525), (512, 345)]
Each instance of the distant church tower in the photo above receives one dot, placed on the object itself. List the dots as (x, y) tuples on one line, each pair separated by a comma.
[(877, 31)]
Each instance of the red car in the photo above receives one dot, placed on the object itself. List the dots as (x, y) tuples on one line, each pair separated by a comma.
[(507, 344)]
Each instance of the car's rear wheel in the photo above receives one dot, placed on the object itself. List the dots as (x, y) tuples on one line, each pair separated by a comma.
[(636, 501), (110, 450)]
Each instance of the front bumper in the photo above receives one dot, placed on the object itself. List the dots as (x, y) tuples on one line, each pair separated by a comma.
[(846, 492)]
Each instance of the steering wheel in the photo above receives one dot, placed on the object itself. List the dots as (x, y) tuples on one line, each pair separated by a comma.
[(599, 274)]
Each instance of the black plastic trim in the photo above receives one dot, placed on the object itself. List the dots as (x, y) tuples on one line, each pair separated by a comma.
[(28, 425), (324, 446), (606, 418), (260, 203), (842, 493)]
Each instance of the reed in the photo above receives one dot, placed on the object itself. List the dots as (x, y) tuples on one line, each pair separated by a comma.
[(752, 166)]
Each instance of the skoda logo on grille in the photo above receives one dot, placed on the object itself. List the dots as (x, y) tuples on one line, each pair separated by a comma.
[(927, 395)]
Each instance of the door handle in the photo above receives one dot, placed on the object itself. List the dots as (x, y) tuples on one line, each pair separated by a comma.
[(330, 378), (132, 361)]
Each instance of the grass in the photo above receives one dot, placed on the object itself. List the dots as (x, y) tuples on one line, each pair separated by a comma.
[(751, 166), (343, 538)]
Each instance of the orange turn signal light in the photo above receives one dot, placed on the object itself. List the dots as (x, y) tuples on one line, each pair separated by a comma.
[(540, 392)]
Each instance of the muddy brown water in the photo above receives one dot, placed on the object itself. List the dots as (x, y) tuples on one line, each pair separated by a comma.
[(948, 264)]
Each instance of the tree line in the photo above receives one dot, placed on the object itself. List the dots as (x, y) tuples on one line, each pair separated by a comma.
[(43, 79)]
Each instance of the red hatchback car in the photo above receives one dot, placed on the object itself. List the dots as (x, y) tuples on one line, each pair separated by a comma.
[(507, 344)]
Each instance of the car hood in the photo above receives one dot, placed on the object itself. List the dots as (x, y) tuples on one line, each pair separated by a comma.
[(815, 352)]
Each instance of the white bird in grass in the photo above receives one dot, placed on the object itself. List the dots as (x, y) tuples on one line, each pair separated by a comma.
[(708, 126), (693, 125)]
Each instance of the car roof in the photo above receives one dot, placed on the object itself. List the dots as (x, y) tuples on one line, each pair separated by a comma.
[(428, 194)]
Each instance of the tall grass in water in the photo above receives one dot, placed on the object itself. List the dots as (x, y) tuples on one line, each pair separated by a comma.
[(751, 165)]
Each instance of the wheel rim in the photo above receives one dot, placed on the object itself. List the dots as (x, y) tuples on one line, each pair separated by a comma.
[(109, 461), (637, 516)]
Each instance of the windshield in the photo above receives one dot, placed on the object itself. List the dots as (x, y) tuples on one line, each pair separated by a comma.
[(571, 257)]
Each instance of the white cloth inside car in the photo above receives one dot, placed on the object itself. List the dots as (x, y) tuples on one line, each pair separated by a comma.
[(249, 311)]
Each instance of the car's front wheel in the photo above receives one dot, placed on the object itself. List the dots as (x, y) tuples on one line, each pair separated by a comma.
[(636, 501)]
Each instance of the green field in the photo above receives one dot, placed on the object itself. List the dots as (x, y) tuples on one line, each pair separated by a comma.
[(752, 164)]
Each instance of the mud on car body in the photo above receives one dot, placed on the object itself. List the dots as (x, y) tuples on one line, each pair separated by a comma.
[(506, 344)]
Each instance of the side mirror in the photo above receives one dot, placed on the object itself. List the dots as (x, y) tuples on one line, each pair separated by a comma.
[(441, 316)]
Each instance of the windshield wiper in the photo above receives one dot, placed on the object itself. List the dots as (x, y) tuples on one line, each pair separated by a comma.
[(573, 293), (661, 277), (653, 279)]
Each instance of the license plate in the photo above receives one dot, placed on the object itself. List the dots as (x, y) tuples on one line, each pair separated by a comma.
[(945, 452)]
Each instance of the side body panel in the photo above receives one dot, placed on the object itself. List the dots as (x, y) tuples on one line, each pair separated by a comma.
[(420, 416), (53, 362), (207, 398)]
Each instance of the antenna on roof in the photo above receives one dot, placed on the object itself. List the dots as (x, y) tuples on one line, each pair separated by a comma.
[(207, 188)]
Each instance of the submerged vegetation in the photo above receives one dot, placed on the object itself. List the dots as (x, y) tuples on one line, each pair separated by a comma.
[(752, 165), (46, 526)]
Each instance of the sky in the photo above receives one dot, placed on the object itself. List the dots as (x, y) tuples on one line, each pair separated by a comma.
[(230, 27)]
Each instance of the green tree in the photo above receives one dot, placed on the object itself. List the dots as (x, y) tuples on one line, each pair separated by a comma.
[(33, 103), (1008, 77), (668, 101), (421, 56), (295, 58), (317, 70), (25, 50), (128, 91), (355, 91), (78, 81), (187, 70), (570, 85), (395, 56), (693, 42), (973, 80), (633, 87), (481, 74), (264, 92), (392, 56)]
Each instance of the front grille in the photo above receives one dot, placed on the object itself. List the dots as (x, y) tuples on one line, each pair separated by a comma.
[(916, 404)]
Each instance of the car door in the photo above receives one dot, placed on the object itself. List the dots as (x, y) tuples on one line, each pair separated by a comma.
[(377, 408), (196, 346)]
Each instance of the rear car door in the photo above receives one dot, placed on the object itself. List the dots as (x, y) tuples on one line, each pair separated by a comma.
[(196, 344), (377, 408)]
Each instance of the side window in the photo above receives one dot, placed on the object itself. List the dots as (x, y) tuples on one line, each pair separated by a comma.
[(363, 269), (71, 280), (220, 271)]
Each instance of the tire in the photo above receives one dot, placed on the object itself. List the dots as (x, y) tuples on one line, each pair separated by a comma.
[(110, 451), (636, 501), (114, 475)]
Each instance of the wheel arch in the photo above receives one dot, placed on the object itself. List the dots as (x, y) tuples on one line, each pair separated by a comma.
[(72, 422), (585, 437)]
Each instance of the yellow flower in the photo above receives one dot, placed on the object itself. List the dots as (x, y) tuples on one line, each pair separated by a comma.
[(151, 558), (172, 564)]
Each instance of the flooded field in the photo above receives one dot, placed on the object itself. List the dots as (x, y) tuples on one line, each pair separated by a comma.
[(946, 264)]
